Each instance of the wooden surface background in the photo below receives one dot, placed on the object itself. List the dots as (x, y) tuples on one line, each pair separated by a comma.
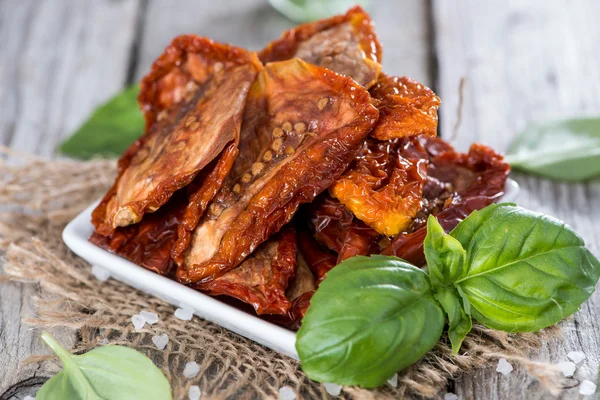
[(523, 61)]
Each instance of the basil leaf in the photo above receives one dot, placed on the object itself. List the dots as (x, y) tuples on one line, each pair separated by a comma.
[(108, 372), (459, 319), (371, 317), (565, 150), (110, 129), (444, 254), (526, 271)]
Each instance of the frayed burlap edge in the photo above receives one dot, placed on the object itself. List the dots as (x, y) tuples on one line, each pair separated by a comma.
[(38, 197)]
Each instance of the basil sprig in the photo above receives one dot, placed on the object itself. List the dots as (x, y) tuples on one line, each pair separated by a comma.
[(509, 268), (107, 372)]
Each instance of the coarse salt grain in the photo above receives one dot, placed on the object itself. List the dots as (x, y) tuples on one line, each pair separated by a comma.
[(587, 387), (160, 341), (100, 273), (567, 368), (333, 389), (450, 396), (191, 370), (504, 367), (184, 314), (286, 393), (393, 381), (28, 397), (576, 356), (150, 317), (194, 392), (138, 322)]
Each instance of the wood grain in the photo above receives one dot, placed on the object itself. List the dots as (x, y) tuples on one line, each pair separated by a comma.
[(58, 60), (523, 62)]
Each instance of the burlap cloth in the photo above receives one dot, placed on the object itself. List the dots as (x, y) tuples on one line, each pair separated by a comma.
[(38, 197)]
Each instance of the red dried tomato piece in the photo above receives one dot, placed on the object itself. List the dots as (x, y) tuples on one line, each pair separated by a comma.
[(261, 280), (191, 132), (406, 108), (302, 127), (345, 44), (458, 184)]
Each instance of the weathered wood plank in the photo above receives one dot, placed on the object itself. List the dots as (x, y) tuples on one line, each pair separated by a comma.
[(526, 61), (58, 60), (252, 24)]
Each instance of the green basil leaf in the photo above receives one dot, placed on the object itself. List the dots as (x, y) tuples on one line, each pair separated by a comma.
[(107, 373), (565, 150), (526, 271), (459, 320), (371, 317), (444, 254), (110, 129)]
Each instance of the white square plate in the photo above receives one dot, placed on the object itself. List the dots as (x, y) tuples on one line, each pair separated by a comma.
[(76, 236)]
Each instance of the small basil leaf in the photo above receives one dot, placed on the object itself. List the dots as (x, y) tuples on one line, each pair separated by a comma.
[(371, 317), (566, 150), (107, 373), (110, 129), (444, 254), (459, 320), (526, 271)]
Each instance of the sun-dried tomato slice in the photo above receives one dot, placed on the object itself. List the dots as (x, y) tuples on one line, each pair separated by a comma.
[(345, 44), (458, 184), (186, 134), (261, 279), (406, 108), (382, 188), (335, 227), (149, 242), (302, 127)]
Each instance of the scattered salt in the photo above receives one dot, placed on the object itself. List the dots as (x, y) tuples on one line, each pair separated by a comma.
[(160, 341), (100, 273), (184, 314), (576, 356), (450, 396), (504, 367), (191, 370), (333, 389), (150, 317), (587, 387), (194, 392), (567, 368), (138, 322), (286, 393), (393, 381)]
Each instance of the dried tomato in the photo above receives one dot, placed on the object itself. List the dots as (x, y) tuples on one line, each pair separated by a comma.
[(346, 44), (406, 108), (302, 127), (193, 130), (262, 278)]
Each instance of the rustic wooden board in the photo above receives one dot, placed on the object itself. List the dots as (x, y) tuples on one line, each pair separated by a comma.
[(58, 60), (526, 61)]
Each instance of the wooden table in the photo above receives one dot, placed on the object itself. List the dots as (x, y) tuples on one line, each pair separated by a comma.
[(523, 61)]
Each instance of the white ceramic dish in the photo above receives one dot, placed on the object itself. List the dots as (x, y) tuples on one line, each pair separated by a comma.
[(76, 236)]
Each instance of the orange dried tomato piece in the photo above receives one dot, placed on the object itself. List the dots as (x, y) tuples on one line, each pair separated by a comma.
[(302, 127), (382, 188), (406, 108), (193, 130), (261, 280), (345, 44)]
